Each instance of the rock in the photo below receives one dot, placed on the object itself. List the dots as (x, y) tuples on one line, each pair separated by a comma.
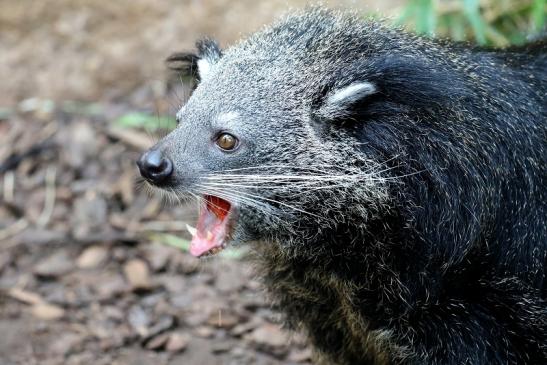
[(157, 342), (90, 214), (269, 336), (54, 266), (139, 320), (181, 300), (223, 319), (114, 313), (80, 142), (120, 336), (47, 311), (111, 286), (231, 280), (173, 283), (243, 328), (221, 347), (137, 273), (177, 342), (204, 331), (119, 254), (67, 343), (187, 264), (197, 352), (5, 258), (39, 236), (158, 256), (300, 355), (25, 296), (133, 356), (92, 257), (195, 319), (165, 323), (152, 300)]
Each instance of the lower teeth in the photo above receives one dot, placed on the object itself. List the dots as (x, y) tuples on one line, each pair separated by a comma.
[(215, 250)]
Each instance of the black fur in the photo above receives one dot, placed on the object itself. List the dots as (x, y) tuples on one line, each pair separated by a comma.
[(451, 269), (457, 269)]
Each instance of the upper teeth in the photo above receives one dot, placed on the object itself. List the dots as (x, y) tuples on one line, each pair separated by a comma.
[(209, 236), (193, 231)]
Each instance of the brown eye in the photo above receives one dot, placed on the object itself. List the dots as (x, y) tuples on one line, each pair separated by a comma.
[(226, 141)]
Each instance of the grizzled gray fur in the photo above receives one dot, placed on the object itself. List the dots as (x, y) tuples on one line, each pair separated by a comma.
[(393, 188)]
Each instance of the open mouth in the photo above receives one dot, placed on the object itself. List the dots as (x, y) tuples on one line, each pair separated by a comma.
[(213, 227)]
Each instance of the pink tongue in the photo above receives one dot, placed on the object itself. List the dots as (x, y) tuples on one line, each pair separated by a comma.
[(200, 245), (210, 233)]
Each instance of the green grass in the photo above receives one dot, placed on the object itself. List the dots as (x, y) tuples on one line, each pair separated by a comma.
[(485, 22)]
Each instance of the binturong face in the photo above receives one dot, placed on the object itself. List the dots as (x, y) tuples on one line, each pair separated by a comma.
[(248, 148), (271, 140)]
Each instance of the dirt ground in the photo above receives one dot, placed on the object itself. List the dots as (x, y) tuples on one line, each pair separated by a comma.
[(88, 271)]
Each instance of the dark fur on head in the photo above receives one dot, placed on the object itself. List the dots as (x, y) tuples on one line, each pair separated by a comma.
[(394, 186)]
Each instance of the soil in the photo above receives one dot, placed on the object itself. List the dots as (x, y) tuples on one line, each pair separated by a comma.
[(88, 269)]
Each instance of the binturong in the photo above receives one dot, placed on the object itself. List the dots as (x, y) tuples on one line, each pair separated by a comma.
[(392, 188)]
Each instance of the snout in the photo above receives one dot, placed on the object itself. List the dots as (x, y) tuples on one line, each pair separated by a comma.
[(155, 167)]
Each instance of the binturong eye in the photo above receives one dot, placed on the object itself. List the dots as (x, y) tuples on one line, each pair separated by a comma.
[(226, 141)]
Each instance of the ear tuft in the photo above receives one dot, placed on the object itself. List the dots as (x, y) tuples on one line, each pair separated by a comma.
[(183, 62), (196, 65), (338, 102)]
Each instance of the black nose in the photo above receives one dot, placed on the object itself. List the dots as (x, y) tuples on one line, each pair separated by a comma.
[(154, 167)]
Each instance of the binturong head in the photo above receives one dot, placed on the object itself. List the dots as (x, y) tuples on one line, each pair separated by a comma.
[(273, 140)]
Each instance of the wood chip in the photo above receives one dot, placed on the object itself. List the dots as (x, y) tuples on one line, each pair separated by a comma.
[(137, 273), (269, 335), (47, 311), (158, 342), (177, 342), (300, 355), (25, 296), (92, 257)]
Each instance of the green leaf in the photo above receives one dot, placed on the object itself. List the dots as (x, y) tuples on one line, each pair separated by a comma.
[(538, 14), (232, 253), (148, 122), (472, 12), (426, 17), (82, 108), (408, 12), (171, 240)]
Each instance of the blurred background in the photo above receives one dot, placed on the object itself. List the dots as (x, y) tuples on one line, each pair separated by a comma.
[(93, 268)]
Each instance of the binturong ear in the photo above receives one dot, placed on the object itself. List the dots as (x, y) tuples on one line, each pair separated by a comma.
[(197, 65), (389, 85), (209, 53), (338, 102)]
